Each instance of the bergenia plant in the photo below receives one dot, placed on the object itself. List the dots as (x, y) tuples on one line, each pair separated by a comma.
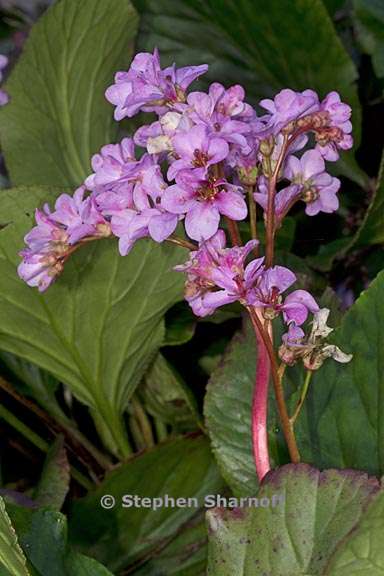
[(206, 164)]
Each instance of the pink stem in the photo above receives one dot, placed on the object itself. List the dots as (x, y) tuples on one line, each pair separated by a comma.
[(259, 410)]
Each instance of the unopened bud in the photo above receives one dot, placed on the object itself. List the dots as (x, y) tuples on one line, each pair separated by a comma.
[(266, 146), (248, 176)]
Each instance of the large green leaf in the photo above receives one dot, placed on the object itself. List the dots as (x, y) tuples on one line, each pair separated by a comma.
[(342, 423), (264, 46), (124, 537), (372, 229), (301, 515), (12, 557), (369, 20), (100, 325), (362, 553), (57, 116), (43, 537)]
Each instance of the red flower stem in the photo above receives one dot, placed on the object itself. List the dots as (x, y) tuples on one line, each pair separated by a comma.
[(277, 377), (259, 410)]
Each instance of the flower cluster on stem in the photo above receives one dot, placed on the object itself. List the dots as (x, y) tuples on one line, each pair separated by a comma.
[(189, 177)]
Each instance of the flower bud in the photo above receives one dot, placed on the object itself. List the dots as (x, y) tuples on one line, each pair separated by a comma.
[(266, 146), (248, 176)]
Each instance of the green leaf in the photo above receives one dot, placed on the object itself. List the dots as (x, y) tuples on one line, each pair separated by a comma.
[(264, 47), (125, 537), (369, 21), (186, 555), (57, 116), (98, 328), (54, 482), (167, 396), (372, 228), (342, 421), (227, 411), (361, 553), (43, 537), (11, 555), (300, 517), (180, 325)]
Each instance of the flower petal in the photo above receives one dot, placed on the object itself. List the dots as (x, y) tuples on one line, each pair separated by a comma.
[(202, 221)]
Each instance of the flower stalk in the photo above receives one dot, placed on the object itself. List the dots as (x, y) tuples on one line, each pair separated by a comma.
[(207, 159), (277, 377), (260, 409)]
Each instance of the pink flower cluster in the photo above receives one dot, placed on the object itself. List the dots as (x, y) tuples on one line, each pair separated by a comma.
[(196, 161), (217, 275)]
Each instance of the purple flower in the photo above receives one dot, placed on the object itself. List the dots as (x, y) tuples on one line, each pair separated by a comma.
[(47, 244), (223, 112), (318, 189), (146, 216), (79, 216), (203, 202), (267, 294), (217, 276), (149, 88), (50, 242), (114, 164), (39, 270), (196, 151), (287, 106), (131, 225), (294, 336), (339, 134)]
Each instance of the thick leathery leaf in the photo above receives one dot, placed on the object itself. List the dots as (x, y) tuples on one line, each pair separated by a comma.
[(98, 328), (292, 529), (122, 537), (58, 116)]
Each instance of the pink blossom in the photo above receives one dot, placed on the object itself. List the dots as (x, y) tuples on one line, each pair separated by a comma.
[(330, 141), (318, 189), (203, 201), (286, 106), (267, 294), (145, 86), (216, 275), (196, 150)]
